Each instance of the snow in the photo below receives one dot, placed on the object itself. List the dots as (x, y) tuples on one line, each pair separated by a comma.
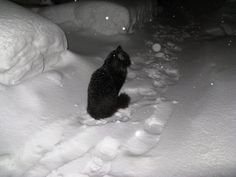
[(100, 16), (209, 137), (29, 44), (186, 124), (107, 149), (156, 47)]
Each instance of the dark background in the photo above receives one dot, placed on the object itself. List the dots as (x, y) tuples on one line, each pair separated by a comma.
[(180, 11)]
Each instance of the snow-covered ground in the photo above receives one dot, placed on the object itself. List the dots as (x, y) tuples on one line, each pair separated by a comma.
[(181, 120)]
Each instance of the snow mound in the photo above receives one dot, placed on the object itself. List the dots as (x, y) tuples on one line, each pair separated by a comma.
[(107, 149), (102, 17), (29, 44), (59, 14), (106, 18), (156, 47)]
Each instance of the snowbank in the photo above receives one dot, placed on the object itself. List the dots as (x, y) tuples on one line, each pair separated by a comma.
[(29, 44), (38, 114), (102, 17)]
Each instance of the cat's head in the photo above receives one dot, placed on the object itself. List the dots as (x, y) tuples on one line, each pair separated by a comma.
[(118, 58)]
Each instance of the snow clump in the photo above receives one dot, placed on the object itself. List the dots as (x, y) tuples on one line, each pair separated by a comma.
[(156, 47), (107, 149), (29, 44)]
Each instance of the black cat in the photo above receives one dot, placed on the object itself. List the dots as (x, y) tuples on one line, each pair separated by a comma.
[(105, 84)]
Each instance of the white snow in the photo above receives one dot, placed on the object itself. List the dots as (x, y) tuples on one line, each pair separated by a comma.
[(29, 44), (174, 126), (156, 47), (107, 149), (100, 16)]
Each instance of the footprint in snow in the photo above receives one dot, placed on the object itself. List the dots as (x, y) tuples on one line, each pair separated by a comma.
[(97, 167), (104, 152), (145, 139)]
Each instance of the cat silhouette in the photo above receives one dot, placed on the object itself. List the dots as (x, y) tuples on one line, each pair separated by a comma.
[(104, 98)]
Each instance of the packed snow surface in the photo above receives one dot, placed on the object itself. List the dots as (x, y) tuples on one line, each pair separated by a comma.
[(175, 126), (100, 16), (29, 44)]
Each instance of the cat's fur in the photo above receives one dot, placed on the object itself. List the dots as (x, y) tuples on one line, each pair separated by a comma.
[(105, 84)]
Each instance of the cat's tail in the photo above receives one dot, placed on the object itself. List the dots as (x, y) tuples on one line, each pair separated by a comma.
[(123, 100)]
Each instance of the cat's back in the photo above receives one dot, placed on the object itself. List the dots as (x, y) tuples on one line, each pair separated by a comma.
[(101, 81)]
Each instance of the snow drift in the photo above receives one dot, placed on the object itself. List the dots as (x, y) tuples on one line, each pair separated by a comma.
[(102, 17), (29, 44)]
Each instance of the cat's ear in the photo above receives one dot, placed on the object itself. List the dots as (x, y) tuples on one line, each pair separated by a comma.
[(119, 48)]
